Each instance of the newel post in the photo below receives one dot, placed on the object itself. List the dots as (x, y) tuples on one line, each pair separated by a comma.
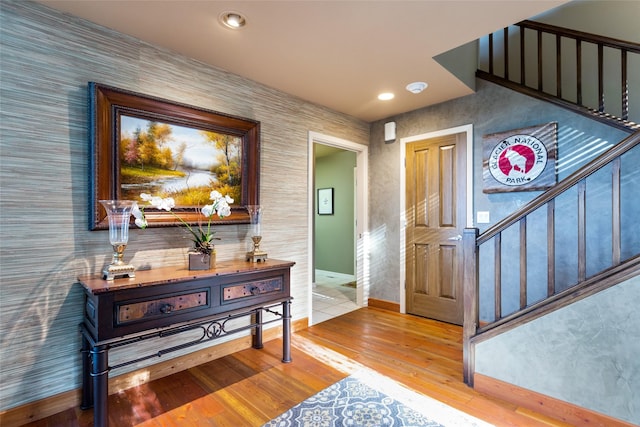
[(470, 296)]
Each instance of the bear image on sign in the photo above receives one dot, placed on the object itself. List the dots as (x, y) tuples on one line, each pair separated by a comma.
[(520, 160)]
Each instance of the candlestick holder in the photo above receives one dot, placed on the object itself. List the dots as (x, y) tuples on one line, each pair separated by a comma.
[(119, 213), (255, 214)]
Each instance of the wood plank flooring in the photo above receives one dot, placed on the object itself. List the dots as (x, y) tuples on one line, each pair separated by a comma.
[(250, 387)]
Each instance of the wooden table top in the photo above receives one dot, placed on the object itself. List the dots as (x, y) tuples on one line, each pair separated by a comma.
[(164, 275)]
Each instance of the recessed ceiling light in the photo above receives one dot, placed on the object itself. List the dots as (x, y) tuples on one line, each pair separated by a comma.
[(385, 96), (233, 20), (416, 87)]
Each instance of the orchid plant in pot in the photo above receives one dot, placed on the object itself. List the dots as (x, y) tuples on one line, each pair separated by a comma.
[(203, 254)]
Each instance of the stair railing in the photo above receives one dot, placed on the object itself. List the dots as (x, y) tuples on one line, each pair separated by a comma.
[(621, 163), (553, 71)]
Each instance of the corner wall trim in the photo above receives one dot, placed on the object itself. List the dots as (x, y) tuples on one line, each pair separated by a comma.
[(384, 305)]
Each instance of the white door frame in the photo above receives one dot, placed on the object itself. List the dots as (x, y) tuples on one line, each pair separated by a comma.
[(403, 185), (362, 214)]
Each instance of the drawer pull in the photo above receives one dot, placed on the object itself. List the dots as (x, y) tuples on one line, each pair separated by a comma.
[(166, 308)]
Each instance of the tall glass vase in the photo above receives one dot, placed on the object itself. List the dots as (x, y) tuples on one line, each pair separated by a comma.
[(255, 214), (119, 214)]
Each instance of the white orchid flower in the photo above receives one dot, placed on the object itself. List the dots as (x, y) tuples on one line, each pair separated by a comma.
[(224, 210), (139, 216), (167, 204), (136, 212), (202, 236), (158, 202), (154, 201), (207, 210), (141, 223)]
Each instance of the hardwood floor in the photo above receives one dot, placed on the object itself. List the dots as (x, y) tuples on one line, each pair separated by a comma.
[(250, 387)]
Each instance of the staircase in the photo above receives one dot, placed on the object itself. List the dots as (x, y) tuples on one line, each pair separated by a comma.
[(584, 230), (620, 164), (572, 69)]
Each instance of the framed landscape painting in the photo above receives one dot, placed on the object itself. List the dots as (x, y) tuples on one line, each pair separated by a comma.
[(141, 144)]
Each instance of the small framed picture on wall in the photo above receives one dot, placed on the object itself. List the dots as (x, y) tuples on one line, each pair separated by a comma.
[(325, 201)]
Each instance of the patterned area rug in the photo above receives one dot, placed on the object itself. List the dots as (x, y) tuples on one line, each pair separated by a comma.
[(367, 399)]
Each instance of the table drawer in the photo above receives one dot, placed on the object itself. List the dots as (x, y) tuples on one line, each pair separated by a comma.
[(162, 306), (252, 289)]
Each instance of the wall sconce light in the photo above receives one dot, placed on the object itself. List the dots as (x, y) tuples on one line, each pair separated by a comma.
[(389, 132)]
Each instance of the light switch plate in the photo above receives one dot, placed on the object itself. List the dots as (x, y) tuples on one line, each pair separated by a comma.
[(483, 217)]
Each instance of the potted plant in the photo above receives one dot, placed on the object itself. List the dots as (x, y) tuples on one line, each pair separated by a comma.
[(203, 254)]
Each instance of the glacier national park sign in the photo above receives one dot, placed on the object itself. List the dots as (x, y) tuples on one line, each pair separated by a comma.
[(520, 160)]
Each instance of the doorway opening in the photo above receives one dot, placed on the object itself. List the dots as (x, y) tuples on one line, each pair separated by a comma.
[(338, 276)]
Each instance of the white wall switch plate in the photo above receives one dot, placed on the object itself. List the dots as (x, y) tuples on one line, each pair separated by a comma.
[(483, 217)]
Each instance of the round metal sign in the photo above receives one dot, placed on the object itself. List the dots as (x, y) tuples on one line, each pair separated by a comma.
[(518, 160)]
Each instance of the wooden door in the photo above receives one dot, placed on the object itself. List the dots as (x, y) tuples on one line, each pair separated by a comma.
[(435, 211)]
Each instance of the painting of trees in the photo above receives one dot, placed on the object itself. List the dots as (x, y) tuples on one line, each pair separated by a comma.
[(179, 162), (228, 170)]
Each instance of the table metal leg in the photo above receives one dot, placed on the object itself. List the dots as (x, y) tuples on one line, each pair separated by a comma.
[(87, 384), (100, 374), (257, 332), (286, 331)]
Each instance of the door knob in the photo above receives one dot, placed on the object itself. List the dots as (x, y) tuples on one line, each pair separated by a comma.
[(456, 238)]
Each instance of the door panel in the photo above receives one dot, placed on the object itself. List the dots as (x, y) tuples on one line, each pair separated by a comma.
[(447, 188), (436, 210)]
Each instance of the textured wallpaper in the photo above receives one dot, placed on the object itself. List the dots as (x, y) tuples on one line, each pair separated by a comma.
[(47, 60)]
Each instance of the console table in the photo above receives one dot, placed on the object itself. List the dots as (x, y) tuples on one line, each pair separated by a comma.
[(166, 302)]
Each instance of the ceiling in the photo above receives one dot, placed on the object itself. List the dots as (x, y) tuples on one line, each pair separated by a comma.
[(339, 54)]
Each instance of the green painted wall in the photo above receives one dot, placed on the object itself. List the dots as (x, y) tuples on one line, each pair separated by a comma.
[(334, 234)]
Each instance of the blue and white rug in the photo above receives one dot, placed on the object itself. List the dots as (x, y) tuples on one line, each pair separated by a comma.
[(359, 401)]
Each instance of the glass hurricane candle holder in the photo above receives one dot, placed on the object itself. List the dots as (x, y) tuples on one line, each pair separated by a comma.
[(118, 213), (255, 215)]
